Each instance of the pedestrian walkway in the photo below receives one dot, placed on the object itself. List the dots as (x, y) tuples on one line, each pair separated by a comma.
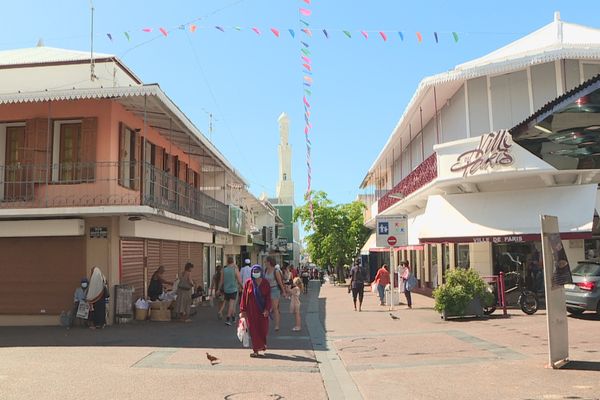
[(339, 354)]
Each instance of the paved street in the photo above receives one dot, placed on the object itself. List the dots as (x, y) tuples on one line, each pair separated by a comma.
[(339, 354)]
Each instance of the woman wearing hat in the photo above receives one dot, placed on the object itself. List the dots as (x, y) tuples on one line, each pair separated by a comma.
[(255, 307)]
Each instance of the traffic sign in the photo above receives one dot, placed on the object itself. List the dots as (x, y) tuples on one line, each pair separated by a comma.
[(392, 231)]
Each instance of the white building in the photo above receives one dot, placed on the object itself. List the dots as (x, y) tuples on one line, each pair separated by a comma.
[(462, 214)]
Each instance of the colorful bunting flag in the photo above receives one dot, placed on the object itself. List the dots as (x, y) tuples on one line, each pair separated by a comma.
[(304, 22), (220, 28), (307, 66), (305, 51), (307, 1), (365, 34), (305, 59), (256, 30), (307, 31), (305, 12), (304, 44), (455, 35), (325, 33), (435, 35), (401, 36), (383, 36), (419, 37), (275, 32), (348, 34), (163, 31), (292, 33), (109, 36), (238, 28), (147, 30), (127, 36), (193, 28)]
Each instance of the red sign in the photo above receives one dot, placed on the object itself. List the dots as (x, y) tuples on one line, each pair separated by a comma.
[(392, 240)]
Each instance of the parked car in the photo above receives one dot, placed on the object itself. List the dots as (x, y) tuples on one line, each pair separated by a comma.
[(584, 293)]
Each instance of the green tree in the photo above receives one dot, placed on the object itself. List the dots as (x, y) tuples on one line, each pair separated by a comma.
[(337, 233)]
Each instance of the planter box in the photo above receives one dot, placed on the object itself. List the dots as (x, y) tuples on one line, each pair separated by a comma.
[(474, 309)]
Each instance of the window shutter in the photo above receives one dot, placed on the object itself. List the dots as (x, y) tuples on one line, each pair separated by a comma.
[(37, 149), (89, 137), (137, 161), (122, 163)]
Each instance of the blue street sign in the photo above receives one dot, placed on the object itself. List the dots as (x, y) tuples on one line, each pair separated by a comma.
[(383, 228)]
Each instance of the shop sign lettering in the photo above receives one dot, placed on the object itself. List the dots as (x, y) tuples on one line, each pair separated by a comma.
[(499, 239), (493, 151)]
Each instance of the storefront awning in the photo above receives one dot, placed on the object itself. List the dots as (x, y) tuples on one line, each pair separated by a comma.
[(507, 216)]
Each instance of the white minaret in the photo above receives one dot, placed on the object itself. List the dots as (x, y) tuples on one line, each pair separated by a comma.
[(285, 186)]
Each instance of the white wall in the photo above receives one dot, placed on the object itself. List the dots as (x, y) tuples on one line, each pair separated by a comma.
[(571, 74), (590, 70), (479, 118), (417, 155), (510, 99), (454, 124), (543, 84), (429, 138)]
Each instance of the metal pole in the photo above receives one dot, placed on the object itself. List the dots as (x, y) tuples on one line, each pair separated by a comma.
[(392, 277)]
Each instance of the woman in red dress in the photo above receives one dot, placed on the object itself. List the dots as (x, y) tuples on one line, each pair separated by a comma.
[(255, 308)]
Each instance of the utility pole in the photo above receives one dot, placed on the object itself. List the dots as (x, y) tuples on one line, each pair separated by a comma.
[(92, 73)]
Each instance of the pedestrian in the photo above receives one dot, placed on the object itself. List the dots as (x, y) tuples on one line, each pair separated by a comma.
[(96, 296), (230, 282), (78, 297), (157, 283), (183, 303), (255, 307), (357, 284), (275, 279), (245, 272), (382, 279), (305, 278), (295, 303), (409, 282), (217, 292)]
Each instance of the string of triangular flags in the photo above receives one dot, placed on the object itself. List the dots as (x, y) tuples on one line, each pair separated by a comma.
[(384, 35), (307, 71)]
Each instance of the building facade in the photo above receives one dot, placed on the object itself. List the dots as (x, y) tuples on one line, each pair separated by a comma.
[(99, 169), (472, 185)]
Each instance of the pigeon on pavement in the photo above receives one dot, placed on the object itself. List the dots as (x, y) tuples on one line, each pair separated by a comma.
[(393, 316), (212, 359)]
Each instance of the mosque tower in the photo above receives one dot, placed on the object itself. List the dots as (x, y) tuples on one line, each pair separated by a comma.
[(285, 186)]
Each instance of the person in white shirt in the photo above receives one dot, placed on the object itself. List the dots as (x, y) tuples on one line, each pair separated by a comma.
[(245, 271)]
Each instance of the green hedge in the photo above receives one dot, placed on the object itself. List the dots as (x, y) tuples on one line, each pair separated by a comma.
[(462, 286)]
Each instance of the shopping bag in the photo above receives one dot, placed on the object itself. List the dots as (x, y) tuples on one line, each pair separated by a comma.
[(83, 310), (374, 287), (242, 332)]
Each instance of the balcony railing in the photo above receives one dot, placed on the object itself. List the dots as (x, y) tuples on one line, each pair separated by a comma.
[(164, 191), (419, 177), (102, 184)]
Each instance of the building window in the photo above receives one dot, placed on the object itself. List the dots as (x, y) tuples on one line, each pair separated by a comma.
[(462, 256), (69, 153), (129, 155), (285, 177)]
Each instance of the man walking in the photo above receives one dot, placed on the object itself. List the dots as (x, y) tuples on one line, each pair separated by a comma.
[(357, 284), (230, 282), (246, 271)]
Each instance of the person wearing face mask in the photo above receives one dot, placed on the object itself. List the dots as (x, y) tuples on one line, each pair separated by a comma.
[(78, 296), (255, 307)]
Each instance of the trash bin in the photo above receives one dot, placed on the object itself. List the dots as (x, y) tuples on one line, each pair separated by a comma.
[(123, 303)]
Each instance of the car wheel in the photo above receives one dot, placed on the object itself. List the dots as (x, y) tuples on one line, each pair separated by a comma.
[(575, 311)]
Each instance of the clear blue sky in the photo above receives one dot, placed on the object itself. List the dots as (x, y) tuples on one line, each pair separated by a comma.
[(361, 87)]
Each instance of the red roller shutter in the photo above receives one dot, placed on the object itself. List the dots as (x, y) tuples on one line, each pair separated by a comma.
[(132, 265), (169, 258), (196, 259)]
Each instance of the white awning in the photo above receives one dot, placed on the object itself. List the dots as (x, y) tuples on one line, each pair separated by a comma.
[(494, 214)]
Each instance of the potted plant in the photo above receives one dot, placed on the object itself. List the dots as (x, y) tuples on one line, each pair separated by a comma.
[(463, 294)]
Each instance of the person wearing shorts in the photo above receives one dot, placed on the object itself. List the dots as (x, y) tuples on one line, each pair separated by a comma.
[(357, 284), (231, 281)]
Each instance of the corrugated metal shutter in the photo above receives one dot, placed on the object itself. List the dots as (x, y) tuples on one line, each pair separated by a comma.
[(132, 265), (196, 259), (40, 274), (153, 254), (184, 254), (169, 258)]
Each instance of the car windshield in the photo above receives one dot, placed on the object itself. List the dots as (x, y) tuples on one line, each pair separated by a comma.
[(585, 269)]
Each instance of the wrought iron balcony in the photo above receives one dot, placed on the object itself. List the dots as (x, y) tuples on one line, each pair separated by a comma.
[(102, 184), (419, 177)]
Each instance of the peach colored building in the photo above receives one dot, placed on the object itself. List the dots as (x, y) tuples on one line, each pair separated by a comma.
[(99, 169)]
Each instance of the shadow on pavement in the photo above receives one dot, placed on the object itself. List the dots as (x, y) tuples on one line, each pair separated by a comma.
[(582, 366), (289, 358), (205, 331), (586, 316)]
